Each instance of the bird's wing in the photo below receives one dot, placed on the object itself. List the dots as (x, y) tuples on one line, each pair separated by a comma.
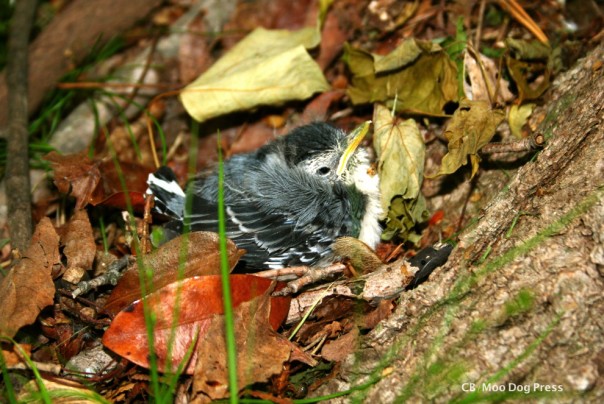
[(168, 195), (271, 239), (281, 220)]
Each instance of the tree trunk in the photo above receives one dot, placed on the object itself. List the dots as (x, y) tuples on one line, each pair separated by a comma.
[(528, 321)]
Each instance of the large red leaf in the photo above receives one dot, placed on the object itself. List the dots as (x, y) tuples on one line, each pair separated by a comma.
[(196, 301)]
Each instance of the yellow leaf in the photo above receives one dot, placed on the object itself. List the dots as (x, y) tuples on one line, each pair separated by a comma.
[(416, 77), (401, 154), (517, 118), (267, 67), (472, 126)]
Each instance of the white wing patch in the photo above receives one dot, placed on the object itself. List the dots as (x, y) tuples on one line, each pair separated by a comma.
[(169, 186)]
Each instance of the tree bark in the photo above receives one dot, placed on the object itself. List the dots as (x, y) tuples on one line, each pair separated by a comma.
[(530, 317)]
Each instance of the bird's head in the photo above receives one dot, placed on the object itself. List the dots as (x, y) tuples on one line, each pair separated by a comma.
[(327, 152)]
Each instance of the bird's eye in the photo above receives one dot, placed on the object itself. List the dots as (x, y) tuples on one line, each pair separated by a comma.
[(323, 170)]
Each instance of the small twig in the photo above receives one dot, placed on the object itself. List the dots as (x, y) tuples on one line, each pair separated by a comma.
[(479, 25), (179, 141), (69, 307), (313, 275), (473, 183), (521, 16), (395, 253), (87, 85), (143, 74), (147, 220), (150, 124), (51, 368), (113, 274), (317, 343), (284, 274), (341, 114), (485, 77), (502, 30), (529, 144)]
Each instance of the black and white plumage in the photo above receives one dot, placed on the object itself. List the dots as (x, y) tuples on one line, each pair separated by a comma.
[(287, 201)]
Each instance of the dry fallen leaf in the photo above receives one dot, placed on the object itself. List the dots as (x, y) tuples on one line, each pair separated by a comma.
[(202, 258), (401, 153), (28, 287), (333, 38), (183, 311), (79, 246), (75, 174), (267, 67), (261, 352), (518, 117), (194, 50), (530, 64), (115, 181), (317, 109), (61, 391), (403, 215), (338, 349), (14, 356), (99, 182), (486, 81), (251, 137), (472, 126), (416, 77)]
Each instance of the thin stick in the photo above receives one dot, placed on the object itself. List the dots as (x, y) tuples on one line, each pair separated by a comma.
[(17, 163), (522, 17), (479, 26), (530, 143)]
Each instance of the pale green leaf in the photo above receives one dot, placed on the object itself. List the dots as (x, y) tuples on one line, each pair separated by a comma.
[(418, 77), (403, 215), (518, 116), (472, 126), (401, 153), (267, 67), (405, 53)]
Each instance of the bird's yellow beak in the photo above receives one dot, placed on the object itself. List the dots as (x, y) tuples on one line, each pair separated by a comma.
[(354, 140)]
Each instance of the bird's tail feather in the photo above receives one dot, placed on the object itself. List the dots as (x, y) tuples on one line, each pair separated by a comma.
[(169, 196)]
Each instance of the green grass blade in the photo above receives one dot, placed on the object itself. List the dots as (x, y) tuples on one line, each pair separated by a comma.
[(8, 385), (226, 286)]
